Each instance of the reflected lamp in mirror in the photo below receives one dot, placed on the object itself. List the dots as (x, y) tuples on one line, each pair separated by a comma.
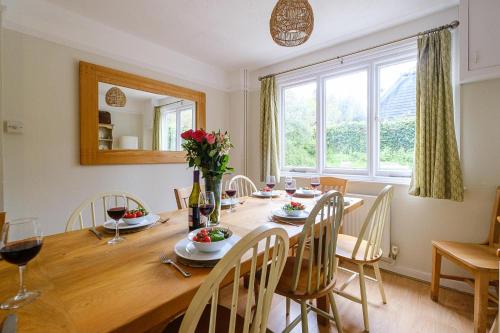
[(145, 127)]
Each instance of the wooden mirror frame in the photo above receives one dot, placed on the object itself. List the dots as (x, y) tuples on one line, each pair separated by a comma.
[(90, 76)]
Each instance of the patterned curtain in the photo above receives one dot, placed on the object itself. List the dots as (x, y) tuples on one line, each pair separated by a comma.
[(437, 172), (269, 132), (157, 128)]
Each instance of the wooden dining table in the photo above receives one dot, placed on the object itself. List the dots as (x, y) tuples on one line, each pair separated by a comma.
[(87, 285)]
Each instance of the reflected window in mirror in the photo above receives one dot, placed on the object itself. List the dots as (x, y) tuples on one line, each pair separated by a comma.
[(176, 118), (131, 119)]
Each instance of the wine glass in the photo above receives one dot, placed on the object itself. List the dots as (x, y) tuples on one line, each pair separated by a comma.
[(271, 183), (315, 182), (21, 241), (231, 193), (116, 207), (291, 188), (206, 204), (288, 180)]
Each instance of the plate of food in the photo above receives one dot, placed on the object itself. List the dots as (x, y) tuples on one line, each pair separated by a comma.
[(292, 210), (307, 192), (146, 221), (266, 192)]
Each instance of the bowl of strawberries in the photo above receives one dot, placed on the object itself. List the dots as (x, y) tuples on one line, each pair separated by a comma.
[(211, 239), (135, 216)]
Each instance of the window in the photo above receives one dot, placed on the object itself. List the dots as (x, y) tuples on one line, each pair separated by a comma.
[(175, 121), (356, 118)]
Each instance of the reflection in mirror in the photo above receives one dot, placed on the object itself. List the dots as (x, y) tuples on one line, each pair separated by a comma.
[(135, 119)]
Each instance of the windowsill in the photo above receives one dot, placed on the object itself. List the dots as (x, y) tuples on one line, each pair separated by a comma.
[(354, 178)]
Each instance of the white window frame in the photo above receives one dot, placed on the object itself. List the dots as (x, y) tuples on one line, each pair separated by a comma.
[(371, 62)]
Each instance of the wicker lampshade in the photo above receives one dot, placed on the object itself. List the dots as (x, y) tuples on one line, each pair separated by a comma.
[(116, 97), (292, 22)]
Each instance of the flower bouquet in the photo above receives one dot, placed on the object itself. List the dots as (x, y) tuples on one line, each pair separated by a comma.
[(209, 152)]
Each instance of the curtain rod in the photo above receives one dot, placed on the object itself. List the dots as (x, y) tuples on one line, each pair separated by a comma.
[(452, 25)]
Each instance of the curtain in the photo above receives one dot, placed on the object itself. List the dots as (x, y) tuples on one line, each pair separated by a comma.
[(437, 172), (269, 132), (157, 128)]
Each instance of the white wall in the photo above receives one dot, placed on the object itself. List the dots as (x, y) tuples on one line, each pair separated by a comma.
[(42, 175), (416, 221)]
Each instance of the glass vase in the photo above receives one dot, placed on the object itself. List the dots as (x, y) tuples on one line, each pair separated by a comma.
[(214, 184)]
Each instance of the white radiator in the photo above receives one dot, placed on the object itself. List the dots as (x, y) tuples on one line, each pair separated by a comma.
[(354, 220)]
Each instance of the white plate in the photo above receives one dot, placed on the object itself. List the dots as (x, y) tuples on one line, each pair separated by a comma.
[(148, 220), (281, 214), (260, 194), (186, 250), (228, 202), (307, 193)]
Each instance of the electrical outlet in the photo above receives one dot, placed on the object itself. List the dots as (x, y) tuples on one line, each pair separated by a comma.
[(394, 251), (14, 127)]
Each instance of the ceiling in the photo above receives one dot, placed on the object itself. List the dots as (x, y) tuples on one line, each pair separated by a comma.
[(234, 34)]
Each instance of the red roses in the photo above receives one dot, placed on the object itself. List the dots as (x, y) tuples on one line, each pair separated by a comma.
[(199, 136)]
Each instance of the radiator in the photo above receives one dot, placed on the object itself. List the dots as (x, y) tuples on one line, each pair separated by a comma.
[(354, 220)]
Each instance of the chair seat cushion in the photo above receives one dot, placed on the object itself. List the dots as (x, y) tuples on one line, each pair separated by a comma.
[(284, 286), (345, 249), (475, 256)]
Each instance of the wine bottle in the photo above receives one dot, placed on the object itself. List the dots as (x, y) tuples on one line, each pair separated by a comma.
[(194, 210)]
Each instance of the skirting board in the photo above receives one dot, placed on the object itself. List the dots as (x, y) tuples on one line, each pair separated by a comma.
[(426, 277)]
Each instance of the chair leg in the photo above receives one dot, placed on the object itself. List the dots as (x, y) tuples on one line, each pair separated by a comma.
[(481, 283), (436, 274), (380, 283), (335, 312), (364, 302), (287, 307), (303, 314)]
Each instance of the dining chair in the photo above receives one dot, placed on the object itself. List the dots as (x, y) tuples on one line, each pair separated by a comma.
[(244, 186), (2, 220), (100, 200), (205, 314), (182, 196), (332, 183), (365, 250), (478, 259), (310, 273)]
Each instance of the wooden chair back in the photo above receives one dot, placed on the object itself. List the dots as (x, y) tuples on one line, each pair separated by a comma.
[(96, 202), (2, 220), (321, 240), (182, 196), (244, 186), (333, 183), (494, 234), (274, 242), (373, 226)]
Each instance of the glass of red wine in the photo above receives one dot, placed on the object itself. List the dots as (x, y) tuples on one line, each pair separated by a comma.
[(21, 241), (315, 182), (206, 204), (271, 183), (231, 193), (291, 188), (116, 207)]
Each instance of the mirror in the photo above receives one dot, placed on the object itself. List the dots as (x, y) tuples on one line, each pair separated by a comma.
[(129, 119)]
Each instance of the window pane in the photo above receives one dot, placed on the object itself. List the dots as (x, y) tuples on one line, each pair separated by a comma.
[(186, 120), (169, 134), (299, 108), (346, 115), (396, 114)]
